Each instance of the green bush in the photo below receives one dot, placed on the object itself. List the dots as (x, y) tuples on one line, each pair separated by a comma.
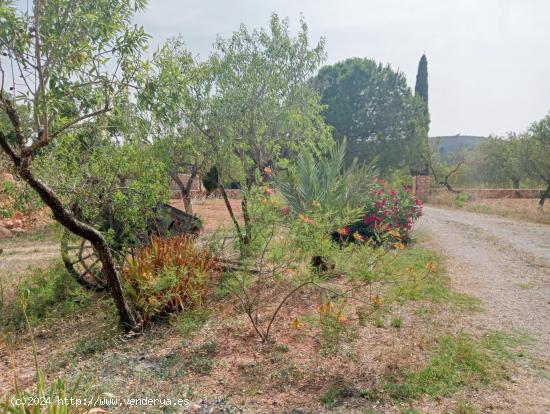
[(48, 293)]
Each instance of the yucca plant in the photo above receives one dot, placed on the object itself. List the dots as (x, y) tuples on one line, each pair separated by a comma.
[(169, 275), (326, 184)]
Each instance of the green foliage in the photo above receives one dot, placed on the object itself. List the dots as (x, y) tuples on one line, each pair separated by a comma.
[(191, 320), (177, 96), (373, 107), (48, 294), (396, 323), (325, 185), (200, 359), (496, 160), (211, 179), (51, 398), (114, 187), (168, 275), (456, 362), (460, 199), (337, 393), (421, 85)]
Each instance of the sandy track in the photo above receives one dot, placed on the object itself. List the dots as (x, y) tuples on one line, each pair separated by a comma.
[(506, 264)]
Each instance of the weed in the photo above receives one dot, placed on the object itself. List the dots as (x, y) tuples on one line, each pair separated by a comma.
[(90, 345), (369, 394), (337, 393), (200, 359), (457, 361), (378, 321), (191, 320), (465, 407), (48, 294), (396, 323)]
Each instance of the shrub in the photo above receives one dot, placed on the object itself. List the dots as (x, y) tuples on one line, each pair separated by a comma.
[(389, 214), (168, 275), (325, 185), (48, 293)]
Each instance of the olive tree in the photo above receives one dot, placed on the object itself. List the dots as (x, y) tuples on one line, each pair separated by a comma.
[(535, 154), (67, 62), (264, 110), (497, 160)]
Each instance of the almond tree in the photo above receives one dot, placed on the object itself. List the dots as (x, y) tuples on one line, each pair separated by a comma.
[(264, 110), (67, 61), (177, 96)]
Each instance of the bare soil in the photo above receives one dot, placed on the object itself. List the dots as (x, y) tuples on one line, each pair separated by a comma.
[(506, 264)]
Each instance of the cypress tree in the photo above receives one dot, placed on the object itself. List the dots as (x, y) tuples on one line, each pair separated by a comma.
[(421, 86)]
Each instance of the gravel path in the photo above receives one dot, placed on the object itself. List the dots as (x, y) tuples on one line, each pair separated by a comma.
[(506, 264)]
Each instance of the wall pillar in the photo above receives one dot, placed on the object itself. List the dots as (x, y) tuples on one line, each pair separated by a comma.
[(421, 186)]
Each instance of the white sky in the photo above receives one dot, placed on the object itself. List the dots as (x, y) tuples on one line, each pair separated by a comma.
[(488, 60)]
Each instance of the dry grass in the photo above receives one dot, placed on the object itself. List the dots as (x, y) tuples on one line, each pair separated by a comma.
[(514, 208)]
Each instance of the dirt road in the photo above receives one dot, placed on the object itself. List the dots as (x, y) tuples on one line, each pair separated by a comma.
[(506, 264)]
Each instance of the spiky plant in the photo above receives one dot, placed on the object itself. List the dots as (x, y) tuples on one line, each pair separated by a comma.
[(325, 184)]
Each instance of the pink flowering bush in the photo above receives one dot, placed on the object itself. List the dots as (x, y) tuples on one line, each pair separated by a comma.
[(389, 213)]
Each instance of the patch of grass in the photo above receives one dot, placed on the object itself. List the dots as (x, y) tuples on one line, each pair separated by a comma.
[(337, 393), (190, 321), (411, 280), (396, 323), (465, 407), (90, 345), (47, 294), (457, 361), (508, 345), (200, 360), (377, 320)]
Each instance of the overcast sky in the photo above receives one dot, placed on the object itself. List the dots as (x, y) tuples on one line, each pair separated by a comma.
[(488, 60)]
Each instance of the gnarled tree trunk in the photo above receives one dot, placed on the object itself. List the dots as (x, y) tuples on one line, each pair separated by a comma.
[(129, 319), (185, 189)]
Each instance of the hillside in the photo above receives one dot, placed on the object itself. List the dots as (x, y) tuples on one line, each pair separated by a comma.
[(450, 143)]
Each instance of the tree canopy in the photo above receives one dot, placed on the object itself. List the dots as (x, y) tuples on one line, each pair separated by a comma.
[(421, 85), (373, 107)]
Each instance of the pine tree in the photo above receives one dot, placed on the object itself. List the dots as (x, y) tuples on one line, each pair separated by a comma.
[(421, 87)]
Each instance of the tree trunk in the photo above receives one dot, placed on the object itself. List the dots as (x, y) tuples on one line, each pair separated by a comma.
[(232, 214), (246, 219), (128, 317), (544, 195), (185, 190), (515, 183)]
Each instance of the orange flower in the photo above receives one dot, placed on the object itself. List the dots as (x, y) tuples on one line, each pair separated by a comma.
[(394, 233), (399, 246), (342, 231), (358, 237), (296, 324), (431, 266), (325, 308), (267, 170), (305, 219), (377, 301)]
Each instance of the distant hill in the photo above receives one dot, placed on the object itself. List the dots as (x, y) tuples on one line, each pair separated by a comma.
[(450, 143)]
